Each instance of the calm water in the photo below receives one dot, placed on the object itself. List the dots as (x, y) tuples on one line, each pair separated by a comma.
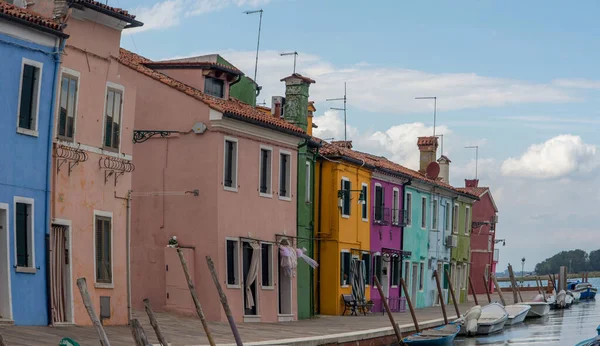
[(560, 327), (594, 281)]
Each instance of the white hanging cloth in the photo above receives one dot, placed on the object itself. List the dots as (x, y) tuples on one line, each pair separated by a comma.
[(252, 273), (311, 262)]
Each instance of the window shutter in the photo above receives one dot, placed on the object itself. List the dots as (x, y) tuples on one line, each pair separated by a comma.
[(229, 164), (27, 88), (263, 172), (99, 262), (107, 251), (108, 125), (22, 248), (283, 180)]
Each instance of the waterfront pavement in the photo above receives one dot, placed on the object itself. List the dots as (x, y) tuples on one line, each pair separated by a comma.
[(184, 331)]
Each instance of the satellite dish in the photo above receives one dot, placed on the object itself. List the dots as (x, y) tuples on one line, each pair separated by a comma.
[(433, 170)]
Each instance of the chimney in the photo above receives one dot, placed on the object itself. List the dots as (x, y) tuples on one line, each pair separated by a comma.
[(277, 103), (296, 100), (342, 144), (428, 148), (309, 120), (444, 162), (61, 8), (471, 182)]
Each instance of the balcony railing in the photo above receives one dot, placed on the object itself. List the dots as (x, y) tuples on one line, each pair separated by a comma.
[(399, 217), (381, 215)]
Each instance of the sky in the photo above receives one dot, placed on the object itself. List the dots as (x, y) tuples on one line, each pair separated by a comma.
[(518, 79)]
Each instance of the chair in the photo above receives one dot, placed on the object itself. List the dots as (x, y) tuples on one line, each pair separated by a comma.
[(353, 305)]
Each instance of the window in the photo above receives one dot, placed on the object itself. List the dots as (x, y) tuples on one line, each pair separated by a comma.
[(233, 248), (377, 267), (24, 232), (345, 268), (423, 212), (29, 97), (421, 276), (396, 207), (230, 170), (214, 87), (346, 187), (467, 220), (408, 208), (68, 100), (267, 265), (455, 219), (366, 258), (395, 271), (434, 211), (407, 274), (265, 172), (284, 175), (114, 107), (307, 183), (103, 250), (447, 217), (379, 203), (364, 206)]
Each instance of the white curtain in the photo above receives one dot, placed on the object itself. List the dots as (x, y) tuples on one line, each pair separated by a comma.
[(57, 272), (252, 274)]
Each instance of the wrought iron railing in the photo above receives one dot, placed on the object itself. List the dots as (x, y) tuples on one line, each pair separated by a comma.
[(381, 215), (399, 217)]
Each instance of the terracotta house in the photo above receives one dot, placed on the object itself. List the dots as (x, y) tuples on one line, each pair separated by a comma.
[(220, 176)]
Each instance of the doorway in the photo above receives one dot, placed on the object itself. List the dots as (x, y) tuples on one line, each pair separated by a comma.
[(250, 263), (285, 292), (60, 274), (5, 296), (385, 279), (415, 282)]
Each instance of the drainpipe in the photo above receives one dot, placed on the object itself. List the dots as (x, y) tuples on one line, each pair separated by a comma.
[(318, 228), (57, 55), (312, 217), (127, 250), (409, 182)]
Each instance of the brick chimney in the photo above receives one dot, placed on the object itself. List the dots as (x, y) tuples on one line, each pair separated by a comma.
[(277, 103), (471, 182), (296, 100), (61, 8), (428, 148), (444, 162), (342, 144)]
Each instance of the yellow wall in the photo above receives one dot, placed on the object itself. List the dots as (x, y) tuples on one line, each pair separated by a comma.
[(337, 232)]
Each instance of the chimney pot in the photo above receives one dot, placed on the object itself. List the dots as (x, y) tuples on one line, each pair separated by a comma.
[(444, 163), (471, 182), (342, 144), (428, 148)]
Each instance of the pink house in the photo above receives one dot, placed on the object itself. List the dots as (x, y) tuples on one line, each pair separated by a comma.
[(92, 163), (220, 176)]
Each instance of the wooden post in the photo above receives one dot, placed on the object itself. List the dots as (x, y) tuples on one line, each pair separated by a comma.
[(389, 312), (87, 302), (537, 283), (553, 285), (439, 287), (154, 323), (195, 298), (223, 297), (2, 341), (513, 283), (487, 289), (540, 287), (139, 336), (563, 278), (498, 289), (452, 293), (410, 306), (473, 291)]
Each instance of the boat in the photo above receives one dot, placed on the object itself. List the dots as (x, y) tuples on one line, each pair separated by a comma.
[(576, 296), (516, 313), (591, 342), (492, 319), (538, 309), (586, 290), (560, 301), (443, 335)]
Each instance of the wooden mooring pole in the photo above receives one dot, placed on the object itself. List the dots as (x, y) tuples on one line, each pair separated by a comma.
[(195, 298), (487, 289), (553, 285), (2, 341), (410, 306), (537, 278), (389, 312), (439, 287), (154, 323), (513, 283), (139, 336), (87, 302), (452, 294), (498, 289), (473, 291), (223, 298)]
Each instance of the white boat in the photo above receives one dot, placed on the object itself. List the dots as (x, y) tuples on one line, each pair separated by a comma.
[(517, 313), (492, 320), (538, 309), (576, 296)]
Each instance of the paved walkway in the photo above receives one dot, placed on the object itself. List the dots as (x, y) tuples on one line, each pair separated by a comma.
[(184, 331)]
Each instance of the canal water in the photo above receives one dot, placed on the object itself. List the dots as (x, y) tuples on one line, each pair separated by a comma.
[(561, 327)]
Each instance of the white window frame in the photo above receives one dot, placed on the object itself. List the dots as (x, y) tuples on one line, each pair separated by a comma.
[(269, 193), (365, 217), (347, 281), (396, 206), (236, 264), (234, 174), (31, 267), (423, 212), (109, 215), (421, 276), (36, 113), (378, 185), (77, 75), (289, 176), (408, 205), (467, 219), (307, 182), (271, 267), (370, 266), (434, 214), (111, 85), (395, 268), (448, 223), (350, 200), (455, 218), (406, 273)]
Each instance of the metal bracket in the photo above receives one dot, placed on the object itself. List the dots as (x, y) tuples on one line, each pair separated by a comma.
[(115, 167), (68, 154), (140, 136)]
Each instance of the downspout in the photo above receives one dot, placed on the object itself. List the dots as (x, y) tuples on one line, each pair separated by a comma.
[(312, 217), (57, 55), (128, 248), (318, 227), (408, 182)]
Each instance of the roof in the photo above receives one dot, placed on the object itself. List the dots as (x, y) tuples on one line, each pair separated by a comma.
[(444, 158), (479, 192), (21, 15), (109, 10), (299, 76), (427, 141), (231, 107), (196, 64)]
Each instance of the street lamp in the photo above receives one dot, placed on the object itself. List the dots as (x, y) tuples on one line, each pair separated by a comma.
[(522, 270), (434, 98)]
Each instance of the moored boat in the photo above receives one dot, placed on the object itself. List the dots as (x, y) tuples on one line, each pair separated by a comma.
[(591, 342), (586, 290), (538, 309), (492, 320), (517, 313), (443, 335)]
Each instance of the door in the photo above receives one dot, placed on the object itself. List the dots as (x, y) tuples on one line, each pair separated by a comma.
[(250, 276), (385, 279), (60, 275), (415, 282), (5, 300), (440, 273), (285, 289)]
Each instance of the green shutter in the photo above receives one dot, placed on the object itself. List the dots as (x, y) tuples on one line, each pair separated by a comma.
[(27, 92), (21, 230)]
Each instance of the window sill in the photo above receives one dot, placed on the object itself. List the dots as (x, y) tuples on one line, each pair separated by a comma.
[(112, 150), (265, 195), (251, 318), (233, 286), (268, 288), (288, 199), (104, 286), (345, 216), (365, 220), (26, 270), (394, 286), (27, 132), (231, 189), (345, 286)]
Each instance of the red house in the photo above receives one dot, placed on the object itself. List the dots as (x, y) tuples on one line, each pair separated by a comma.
[(483, 237)]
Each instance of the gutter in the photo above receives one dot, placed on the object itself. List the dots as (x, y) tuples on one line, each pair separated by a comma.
[(262, 124), (27, 23), (132, 22), (353, 160)]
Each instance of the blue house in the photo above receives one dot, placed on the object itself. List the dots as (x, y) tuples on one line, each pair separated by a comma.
[(30, 48)]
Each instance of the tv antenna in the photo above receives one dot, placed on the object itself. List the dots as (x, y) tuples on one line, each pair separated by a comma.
[(295, 54), (258, 41), (442, 147), (476, 147), (341, 109), (434, 98)]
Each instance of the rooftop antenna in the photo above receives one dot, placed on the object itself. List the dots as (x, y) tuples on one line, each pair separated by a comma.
[(341, 109), (264, 103), (434, 98), (476, 147), (295, 54), (442, 136), (258, 41)]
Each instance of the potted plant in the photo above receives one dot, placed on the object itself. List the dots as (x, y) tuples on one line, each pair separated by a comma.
[(369, 305), (345, 281)]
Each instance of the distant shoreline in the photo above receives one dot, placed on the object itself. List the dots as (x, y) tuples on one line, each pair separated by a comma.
[(545, 277)]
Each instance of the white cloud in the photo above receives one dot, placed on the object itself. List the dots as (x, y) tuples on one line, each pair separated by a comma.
[(578, 83), (558, 157)]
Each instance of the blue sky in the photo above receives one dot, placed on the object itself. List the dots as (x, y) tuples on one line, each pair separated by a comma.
[(509, 75)]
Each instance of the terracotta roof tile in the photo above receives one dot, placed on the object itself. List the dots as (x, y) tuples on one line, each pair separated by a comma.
[(106, 7), (23, 14), (299, 76), (427, 141), (232, 106), (477, 191)]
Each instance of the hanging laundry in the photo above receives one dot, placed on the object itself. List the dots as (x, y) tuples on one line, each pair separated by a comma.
[(311, 262), (289, 259)]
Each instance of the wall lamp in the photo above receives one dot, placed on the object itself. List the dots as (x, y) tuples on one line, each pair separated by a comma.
[(343, 193), (500, 240)]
